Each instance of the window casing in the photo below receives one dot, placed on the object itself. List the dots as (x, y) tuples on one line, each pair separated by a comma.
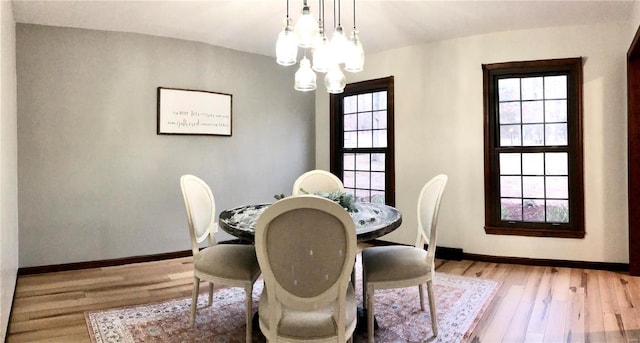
[(362, 140), (533, 148)]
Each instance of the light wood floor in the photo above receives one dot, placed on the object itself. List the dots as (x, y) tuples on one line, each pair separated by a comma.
[(534, 304)]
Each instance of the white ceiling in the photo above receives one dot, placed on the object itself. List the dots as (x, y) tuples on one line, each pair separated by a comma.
[(253, 26)]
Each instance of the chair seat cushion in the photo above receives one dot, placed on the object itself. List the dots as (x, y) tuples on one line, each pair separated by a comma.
[(305, 325), (230, 261), (394, 263)]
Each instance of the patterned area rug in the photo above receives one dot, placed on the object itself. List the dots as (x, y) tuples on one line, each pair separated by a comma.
[(460, 302)]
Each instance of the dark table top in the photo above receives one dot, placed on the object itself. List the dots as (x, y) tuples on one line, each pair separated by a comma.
[(371, 220)]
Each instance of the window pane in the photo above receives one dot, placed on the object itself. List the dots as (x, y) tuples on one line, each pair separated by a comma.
[(533, 210), (362, 179), (509, 112), (362, 162), (532, 135), (364, 121), (509, 164), (511, 209), (364, 102), (365, 139), (533, 186), (380, 100), (532, 88), (555, 111), (556, 134), (508, 89), (349, 179), (377, 162), (532, 164), (380, 138), (363, 195), (349, 162), (377, 197), (558, 211), (557, 187), (350, 123), (377, 181), (510, 186), (350, 139), (349, 103), (556, 163), (555, 87), (532, 112), (380, 120), (510, 135)]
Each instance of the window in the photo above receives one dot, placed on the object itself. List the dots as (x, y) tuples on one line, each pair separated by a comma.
[(362, 140), (533, 148)]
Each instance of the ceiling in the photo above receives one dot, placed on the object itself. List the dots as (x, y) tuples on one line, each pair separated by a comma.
[(253, 26)]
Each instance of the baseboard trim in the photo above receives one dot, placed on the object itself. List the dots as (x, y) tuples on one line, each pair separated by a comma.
[(444, 253), (610, 266), (457, 255), (103, 263)]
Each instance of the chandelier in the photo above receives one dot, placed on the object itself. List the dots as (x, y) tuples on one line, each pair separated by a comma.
[(328, 55)]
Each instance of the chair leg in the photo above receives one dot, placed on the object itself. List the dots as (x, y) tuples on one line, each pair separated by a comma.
[(194, 300), (249, 311), (421, 291), (369, 307), (432, 307), (210, 293), (364, 289)]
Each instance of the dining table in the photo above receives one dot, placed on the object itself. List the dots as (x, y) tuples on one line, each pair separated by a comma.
[(372, 220)]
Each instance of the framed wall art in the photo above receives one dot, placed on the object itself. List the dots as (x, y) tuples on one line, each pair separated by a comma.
[(193, 112)]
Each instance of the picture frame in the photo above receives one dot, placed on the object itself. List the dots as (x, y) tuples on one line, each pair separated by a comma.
[(193, 112)]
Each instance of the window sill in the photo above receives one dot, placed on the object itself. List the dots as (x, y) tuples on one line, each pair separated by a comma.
[(558, 233)]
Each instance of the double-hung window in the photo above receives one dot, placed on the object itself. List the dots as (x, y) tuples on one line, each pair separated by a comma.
[(533, 148), (362, 150)]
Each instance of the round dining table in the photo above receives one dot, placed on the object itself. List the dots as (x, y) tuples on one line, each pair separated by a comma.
[(371, 220)]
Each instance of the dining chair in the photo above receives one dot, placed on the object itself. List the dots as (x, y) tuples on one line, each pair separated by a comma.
[(233, 265), (317, 180), (306, 247), (399, 266)]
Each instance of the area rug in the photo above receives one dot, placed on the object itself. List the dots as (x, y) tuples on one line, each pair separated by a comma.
[(460, 302)]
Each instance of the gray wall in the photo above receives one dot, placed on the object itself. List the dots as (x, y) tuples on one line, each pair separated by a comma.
[(8, 166), (96, 181)]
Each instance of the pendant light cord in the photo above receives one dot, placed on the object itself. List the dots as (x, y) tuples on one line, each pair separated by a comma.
[(354, 14)]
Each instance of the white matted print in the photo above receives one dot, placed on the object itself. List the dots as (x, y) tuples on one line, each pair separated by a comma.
[(193, 112)]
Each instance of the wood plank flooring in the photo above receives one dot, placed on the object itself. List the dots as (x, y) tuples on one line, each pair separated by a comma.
[(534, 304)]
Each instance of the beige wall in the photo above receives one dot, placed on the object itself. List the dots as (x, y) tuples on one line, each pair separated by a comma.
[(439, 129), (8, 166)]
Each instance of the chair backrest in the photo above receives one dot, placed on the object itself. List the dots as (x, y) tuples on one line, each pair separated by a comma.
[(306, 247), (317, 180), (201, 208), (428, 208)]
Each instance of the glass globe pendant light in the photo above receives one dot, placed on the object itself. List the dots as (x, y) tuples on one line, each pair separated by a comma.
[(354, 55), (338, 43), (305, 79), (306, 28), (321, 51), (287, 45), (335, 81)]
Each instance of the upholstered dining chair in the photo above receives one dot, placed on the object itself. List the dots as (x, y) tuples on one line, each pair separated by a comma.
[(306, 247), (317, 180), (386, 267), (233, 265)]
